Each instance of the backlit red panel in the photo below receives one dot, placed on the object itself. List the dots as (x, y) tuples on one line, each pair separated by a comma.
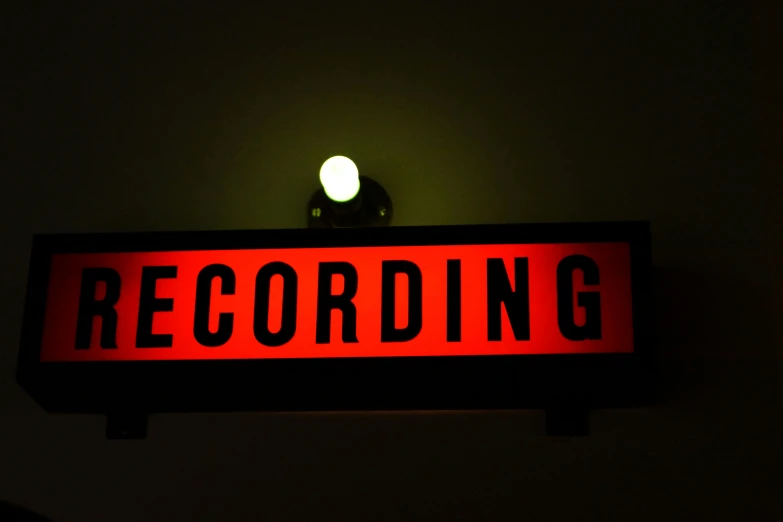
[(614, 288)]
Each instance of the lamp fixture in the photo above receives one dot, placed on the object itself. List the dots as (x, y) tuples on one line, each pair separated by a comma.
[(340, 179), (347, 199)]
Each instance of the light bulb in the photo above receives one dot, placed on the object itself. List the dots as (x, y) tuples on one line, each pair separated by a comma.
[(340, 179)]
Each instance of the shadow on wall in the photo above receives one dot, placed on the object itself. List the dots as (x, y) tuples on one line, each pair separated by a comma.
[(13, 513), (706, 323)]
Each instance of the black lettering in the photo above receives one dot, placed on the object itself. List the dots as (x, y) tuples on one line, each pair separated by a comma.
[(149, 305), (343, 302), (590, 301), (516, 301), (453, 301), (228, 283), (90, 307), (389, 270), (261, 313)]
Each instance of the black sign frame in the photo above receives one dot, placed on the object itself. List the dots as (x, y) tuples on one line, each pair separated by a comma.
[(399, 383)]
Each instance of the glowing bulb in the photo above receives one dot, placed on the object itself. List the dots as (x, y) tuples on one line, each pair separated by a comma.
[(340, 178)]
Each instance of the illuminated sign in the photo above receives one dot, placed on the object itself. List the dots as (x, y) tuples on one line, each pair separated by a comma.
[(372, 307), (340, 302)]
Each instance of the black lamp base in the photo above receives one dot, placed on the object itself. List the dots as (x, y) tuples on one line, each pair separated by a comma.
[(372, 207)]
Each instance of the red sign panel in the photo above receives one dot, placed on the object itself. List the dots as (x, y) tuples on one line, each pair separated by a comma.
[(339, 302)]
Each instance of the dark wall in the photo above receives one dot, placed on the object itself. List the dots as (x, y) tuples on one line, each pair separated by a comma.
[(156, 117)]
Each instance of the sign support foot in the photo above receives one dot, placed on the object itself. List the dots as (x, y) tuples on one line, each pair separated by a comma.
[(126, 425), (567, 420)]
